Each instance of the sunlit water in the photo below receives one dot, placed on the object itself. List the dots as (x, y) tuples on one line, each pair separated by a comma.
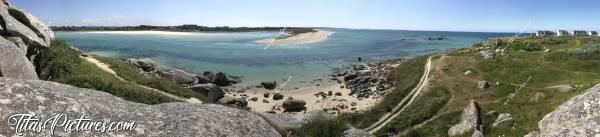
[(237, 54)]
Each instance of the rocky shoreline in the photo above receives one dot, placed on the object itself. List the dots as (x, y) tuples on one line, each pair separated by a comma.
[(353, 88), (369, 79)]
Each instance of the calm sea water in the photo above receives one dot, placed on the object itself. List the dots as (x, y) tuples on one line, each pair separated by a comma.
[(237, 54)]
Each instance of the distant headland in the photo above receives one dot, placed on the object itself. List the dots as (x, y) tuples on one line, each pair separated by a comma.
[(184, 28)]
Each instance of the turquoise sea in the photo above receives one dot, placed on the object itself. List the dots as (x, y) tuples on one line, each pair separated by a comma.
[(237, 54)]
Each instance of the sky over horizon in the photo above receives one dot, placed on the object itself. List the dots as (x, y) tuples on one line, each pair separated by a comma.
[(443, 15)]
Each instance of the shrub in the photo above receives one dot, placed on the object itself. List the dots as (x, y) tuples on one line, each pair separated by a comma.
[(588, 51), (526, 46), (322, 126)]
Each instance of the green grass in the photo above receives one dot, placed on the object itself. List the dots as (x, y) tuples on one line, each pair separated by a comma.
[(321, 126), (62, 64), (130, 73), (557, 67), (423, 108), (545, 70), (438, 127)]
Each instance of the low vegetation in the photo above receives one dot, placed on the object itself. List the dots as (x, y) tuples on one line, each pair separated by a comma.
[(322, 126), (422, 109), (565, 63), (131, 73), (60, 63)]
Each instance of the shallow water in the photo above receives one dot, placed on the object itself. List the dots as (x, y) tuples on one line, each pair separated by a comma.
[(237, 54)]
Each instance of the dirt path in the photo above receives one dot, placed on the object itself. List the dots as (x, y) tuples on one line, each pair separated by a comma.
[(106, 68), (400, 107)]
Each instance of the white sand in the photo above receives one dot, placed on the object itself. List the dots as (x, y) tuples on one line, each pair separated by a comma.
[(142, 32), (307, 94), (304, 38)]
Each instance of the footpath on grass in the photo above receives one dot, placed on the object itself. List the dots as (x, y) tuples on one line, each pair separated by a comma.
[(404, 103), (107, 68)]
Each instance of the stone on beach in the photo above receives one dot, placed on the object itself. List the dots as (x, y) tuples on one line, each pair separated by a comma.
[(269, 85), (277, 96), (292, 105), (222, 79)]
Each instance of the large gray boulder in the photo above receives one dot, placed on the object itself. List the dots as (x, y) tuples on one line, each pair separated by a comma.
[(13, 63), (222, 79), (212, 91), (45, 100), (145, 64), (578, 117), (17, 28), (37, 26), (470, 120), (179, 77), (502, 118), (294, 105)]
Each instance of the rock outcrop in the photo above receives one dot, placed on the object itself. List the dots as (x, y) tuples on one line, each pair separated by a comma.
[(179, 77), (578, 117), (212, 91), (13, 62), (367, 80), (470, 120), (21, 37), (145, 65), (502, 118), (47, 99), (222, 79)]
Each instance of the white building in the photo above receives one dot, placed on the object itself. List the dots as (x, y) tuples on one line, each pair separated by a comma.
[(580, 33), (563, 33), (543, 33)]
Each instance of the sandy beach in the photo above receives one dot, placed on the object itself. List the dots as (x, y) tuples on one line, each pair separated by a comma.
[(142, 32), (307, 94), (304, 38)]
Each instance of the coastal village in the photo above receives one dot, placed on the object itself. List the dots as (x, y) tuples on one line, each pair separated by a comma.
[(543, 33)]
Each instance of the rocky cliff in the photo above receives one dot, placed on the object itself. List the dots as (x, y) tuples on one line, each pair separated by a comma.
[(45, 100), (22, 37)]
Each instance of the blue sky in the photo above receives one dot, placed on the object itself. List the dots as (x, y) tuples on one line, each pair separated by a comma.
[(447, 15)]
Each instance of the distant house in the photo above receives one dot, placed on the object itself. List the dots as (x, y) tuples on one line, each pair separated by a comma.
[(580, 33), (543, 33), (563, 33), (593, 33)]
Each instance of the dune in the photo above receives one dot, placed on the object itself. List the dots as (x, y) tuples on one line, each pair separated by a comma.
[(304, 38)]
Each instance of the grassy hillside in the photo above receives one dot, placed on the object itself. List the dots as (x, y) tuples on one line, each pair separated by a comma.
[(130, 73), (62, 64), (569, 61), (522, 83)]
